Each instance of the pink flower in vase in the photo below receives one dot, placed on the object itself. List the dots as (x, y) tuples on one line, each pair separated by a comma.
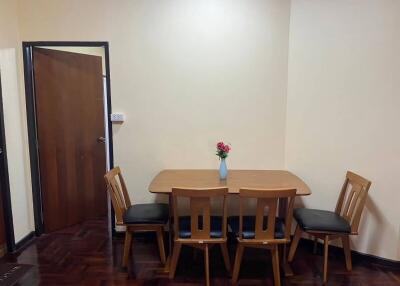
[(223, 150)]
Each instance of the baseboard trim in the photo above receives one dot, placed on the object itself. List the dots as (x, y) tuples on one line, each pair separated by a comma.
[(356, 256), (25, 241)]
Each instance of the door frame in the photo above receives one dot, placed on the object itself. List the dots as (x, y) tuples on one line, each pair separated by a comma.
[(32, 125), (4, 180)]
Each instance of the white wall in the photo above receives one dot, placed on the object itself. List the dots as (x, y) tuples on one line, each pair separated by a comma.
[(186, 74), (15, 121), (343, 109)]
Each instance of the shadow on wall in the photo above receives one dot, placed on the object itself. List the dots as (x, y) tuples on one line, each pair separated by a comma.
[(381, 224), (299, 203), (161, 198)]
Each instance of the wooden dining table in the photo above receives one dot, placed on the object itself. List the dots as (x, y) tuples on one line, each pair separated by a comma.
[(164, 181)]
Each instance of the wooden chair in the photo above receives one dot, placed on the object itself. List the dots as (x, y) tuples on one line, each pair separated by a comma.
[(262, 231), (200, 229), (136, 218), (342, 223)]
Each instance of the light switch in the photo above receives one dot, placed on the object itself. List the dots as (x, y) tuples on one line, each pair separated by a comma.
[(117, 117)]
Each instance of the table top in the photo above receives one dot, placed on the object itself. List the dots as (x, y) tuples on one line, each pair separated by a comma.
[(262, 179)]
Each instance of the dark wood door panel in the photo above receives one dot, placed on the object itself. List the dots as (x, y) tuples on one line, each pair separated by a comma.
[(70, 118)]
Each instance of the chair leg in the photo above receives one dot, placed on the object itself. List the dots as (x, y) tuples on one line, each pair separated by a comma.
[(326, 248), (315, 245), (206, 265), (225, 254), (275, 265), (127, 248), (174, 260), (160, 241), (238, 260), (347, 251), (295, 242)]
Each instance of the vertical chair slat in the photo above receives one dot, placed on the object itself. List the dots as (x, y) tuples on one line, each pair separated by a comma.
[(176, 216), (339, 204), (289, 217), (224, 216), (200, 207)]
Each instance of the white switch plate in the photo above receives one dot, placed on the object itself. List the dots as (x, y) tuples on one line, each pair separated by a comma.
[(117, 117)]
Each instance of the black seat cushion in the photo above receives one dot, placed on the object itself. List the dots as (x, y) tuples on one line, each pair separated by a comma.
[(320, 220), (147, 214), (249, 225), (215, 226)]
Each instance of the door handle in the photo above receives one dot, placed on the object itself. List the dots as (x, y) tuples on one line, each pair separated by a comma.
[(101, 140), (1, 150)]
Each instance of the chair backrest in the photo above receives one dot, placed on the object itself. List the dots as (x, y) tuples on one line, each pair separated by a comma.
[(118, 193), (200, 208), (268, 198), (352, 199)]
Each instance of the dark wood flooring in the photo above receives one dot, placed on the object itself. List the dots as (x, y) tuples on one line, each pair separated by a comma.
[(86, 255)]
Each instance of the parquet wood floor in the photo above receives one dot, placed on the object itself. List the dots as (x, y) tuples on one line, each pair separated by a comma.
[(86, 255)]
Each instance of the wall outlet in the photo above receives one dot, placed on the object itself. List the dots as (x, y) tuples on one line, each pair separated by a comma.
[(117, 117)]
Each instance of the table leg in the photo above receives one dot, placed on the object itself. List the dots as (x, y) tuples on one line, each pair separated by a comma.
[(170, 224), (166, 268), (167, 265), (287, 269)]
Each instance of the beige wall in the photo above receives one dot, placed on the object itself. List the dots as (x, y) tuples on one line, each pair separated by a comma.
[(8, 23), (186, 74), (18, 160), (343, 109), (15, 121), (189, 73)]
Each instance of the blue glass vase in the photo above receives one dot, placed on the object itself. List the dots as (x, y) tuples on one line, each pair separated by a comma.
[(223, 170)]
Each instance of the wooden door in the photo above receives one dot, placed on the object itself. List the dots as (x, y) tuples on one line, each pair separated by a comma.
[(70, 129)]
